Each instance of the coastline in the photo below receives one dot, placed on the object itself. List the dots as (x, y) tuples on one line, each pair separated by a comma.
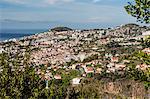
[(7, 34)]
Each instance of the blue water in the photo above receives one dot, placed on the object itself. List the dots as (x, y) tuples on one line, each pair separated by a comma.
[(6, 34)]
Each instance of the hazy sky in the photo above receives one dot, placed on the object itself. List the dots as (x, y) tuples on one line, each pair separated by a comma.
[(108, 12)]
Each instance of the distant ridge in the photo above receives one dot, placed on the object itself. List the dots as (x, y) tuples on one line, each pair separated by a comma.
[(60, 29), (131, 24)]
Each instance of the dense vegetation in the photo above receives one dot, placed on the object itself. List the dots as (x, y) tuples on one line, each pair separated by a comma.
[(146, 42)]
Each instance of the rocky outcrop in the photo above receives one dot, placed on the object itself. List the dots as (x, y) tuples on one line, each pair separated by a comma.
[(126, 89)]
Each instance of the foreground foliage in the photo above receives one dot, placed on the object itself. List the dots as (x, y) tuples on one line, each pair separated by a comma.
[(140, 9), (24, 83)]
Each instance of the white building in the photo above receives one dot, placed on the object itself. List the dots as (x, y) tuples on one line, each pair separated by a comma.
[(1, 50), (147, 33), (76, 81)]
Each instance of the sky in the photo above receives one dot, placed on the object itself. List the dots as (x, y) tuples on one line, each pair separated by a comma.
[(74, 13)]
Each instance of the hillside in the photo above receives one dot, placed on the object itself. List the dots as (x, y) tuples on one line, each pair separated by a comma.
[(65, 63), (128, 30)]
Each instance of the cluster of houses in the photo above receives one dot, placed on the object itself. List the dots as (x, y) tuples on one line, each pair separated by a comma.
[(146, 50), (142, 67), (63, 47)]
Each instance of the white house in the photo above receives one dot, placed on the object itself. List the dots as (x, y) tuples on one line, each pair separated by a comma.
[(1, 50), (76, 81), (147, 33), (82, 56)]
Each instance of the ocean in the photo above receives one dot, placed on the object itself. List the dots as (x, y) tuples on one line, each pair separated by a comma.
[(6, 34)]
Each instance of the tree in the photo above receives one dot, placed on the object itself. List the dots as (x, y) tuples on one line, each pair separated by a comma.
[(16, 81), (146, 42), (136, 59), (140, 9)]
